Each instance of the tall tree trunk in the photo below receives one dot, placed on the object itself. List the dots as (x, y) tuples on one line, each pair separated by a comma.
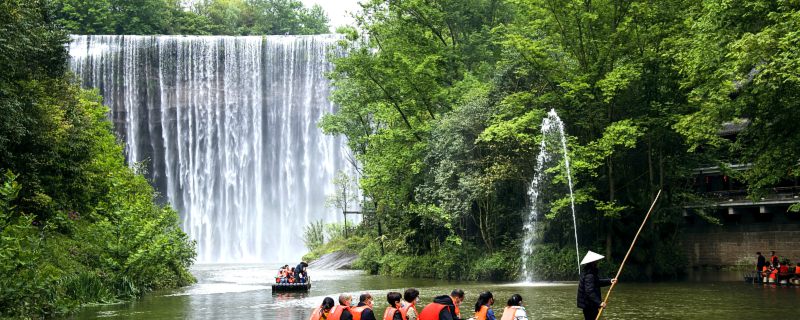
[(611, 197)]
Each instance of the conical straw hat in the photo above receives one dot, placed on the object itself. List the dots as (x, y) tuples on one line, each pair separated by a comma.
[(591, 257)]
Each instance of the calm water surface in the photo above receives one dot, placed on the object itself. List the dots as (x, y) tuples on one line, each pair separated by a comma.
[(243, 292)]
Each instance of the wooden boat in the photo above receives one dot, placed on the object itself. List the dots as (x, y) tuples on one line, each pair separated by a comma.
[(292, 287)]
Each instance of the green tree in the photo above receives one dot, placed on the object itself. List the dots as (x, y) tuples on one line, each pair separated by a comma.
[(217, 17), (739, 61), (77, 224)]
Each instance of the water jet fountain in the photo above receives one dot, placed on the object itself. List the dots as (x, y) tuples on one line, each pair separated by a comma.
[(552, 132)]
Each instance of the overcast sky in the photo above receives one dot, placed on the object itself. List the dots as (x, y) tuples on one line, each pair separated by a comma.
[(338, 10)]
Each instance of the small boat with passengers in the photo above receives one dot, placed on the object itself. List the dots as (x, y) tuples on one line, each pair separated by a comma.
[(292, 280)]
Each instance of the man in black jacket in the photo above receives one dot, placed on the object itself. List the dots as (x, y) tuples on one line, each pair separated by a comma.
[(445, 307), (300, 269), (589, 286), (760, 265), (365, 307)]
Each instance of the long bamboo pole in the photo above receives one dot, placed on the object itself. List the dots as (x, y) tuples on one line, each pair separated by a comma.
[(621, 266)]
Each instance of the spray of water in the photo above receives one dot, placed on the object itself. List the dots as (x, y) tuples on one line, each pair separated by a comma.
[(552, 126)]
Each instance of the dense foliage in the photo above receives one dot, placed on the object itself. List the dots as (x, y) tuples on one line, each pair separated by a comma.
[(205, 17), (77, 225), (442, 102)]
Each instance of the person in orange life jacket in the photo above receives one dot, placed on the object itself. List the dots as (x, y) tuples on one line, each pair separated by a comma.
[(393, 311), (364, 309), (765, 272), (514, 309), (443, 307), (774, 260), (783, 272), (483, 307), (589, 286), (284, 273), (342, 311), (323, 311), (772, 274), (409, 303)]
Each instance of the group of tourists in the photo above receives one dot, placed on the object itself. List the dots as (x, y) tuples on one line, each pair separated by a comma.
[(447, 307), (404, 307), (777, 271), (296, 274)]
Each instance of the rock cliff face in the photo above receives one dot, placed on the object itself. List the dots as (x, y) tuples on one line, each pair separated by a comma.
[(334, 261)]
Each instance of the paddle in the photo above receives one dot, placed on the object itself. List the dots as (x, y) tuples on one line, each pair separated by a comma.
[(608, 294)]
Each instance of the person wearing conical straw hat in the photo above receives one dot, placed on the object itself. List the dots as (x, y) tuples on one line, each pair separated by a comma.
[(589, 286)]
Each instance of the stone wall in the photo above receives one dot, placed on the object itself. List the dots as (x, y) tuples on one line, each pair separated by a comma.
[(740, 236)]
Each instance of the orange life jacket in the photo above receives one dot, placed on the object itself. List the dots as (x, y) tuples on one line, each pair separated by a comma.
[(404, 309), (797, 269), (784, 269), (336, 312), (773, 274), (481, 314), (357, 311), (431, 311), (509, 313), (390, 311), (318, 314)]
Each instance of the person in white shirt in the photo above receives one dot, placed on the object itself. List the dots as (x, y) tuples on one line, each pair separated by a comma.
[(514, 309)]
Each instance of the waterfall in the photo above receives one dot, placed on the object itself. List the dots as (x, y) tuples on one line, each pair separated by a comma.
[(226, 129)]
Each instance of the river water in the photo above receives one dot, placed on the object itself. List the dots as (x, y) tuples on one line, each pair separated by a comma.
[(243, 292)]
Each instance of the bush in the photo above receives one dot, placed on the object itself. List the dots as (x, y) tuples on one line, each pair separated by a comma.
[(313, 236), (501, 265), (552, 263)]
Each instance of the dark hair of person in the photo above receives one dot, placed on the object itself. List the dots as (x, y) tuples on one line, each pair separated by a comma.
[(773, 252), (515, 300), (768, 264), (758, 253), (410, 295), (483, 299), (364, 297), (393, 297), (327, 304), (457, 293)]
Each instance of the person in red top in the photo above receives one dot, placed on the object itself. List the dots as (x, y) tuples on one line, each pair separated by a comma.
[(774, 260), (443, 307), (393, 311), (783, 272)]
